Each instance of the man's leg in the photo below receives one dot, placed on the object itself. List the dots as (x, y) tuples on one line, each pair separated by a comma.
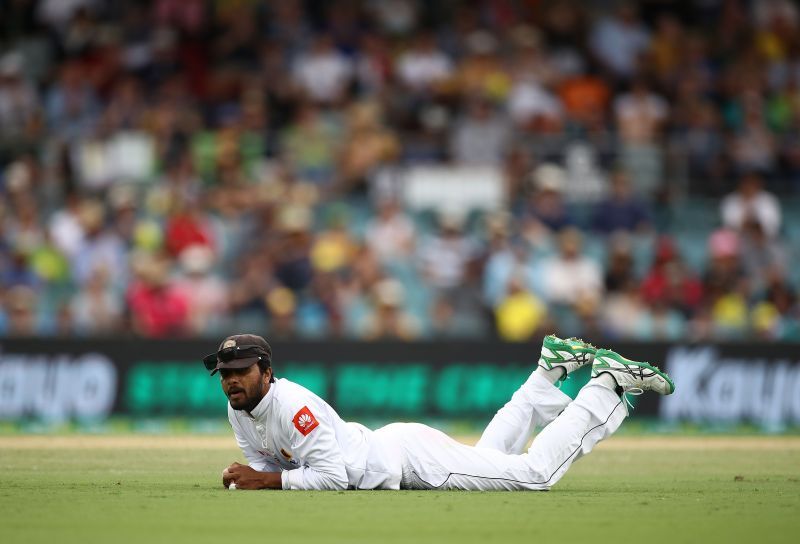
[(434, 461), (537, 402), (596, 413)]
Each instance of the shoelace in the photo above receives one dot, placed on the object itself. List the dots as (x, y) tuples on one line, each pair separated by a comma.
[(635, 391)]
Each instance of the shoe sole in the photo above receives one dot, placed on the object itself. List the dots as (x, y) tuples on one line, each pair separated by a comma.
[(620, 359)]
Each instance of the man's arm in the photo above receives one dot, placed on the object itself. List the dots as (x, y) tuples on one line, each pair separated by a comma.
[(246, 477), (259, 464), (323, 467), (314, 441), (250, 452)]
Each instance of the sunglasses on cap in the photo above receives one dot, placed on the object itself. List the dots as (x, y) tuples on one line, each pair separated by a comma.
[(215, 361)]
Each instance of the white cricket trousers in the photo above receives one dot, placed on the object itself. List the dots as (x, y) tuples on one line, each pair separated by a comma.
[(433, 460)]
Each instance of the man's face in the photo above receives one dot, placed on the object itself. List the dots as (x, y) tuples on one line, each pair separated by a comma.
[(245, 387)]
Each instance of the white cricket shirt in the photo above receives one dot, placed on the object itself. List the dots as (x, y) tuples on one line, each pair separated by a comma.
[(295, 432)]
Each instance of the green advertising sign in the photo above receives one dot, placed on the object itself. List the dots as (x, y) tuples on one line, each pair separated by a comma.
[(412, 389)]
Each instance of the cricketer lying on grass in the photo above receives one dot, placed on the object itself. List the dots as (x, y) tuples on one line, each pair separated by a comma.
[(293, 439)]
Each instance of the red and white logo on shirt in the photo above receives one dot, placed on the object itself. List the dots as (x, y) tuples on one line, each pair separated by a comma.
[(304, 421)]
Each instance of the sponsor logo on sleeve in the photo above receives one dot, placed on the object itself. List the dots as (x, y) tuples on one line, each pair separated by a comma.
[(304, 421)]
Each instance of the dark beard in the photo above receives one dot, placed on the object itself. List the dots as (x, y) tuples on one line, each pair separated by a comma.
[(250, 402)]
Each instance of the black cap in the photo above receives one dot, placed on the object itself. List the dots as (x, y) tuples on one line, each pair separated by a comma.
[(239, 351)]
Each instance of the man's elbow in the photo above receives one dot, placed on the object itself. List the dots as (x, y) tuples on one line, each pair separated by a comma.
[(336, 481)]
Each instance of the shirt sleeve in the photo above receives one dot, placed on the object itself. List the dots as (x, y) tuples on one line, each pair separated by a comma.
[(314, 443), (254, 459)]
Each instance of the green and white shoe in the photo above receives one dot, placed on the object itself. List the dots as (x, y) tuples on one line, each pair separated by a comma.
[(631, 376), (568, 355)]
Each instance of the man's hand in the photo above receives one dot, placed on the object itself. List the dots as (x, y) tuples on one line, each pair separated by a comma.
[(227, 475), (246, 477)]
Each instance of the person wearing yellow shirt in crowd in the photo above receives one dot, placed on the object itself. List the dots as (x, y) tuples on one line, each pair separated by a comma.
[(520, 314)]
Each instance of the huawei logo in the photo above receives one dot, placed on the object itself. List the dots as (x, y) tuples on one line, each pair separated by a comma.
[(304, 421)]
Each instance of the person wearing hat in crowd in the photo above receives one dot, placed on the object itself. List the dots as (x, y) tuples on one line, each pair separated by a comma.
[(545, 212), (293, 439)]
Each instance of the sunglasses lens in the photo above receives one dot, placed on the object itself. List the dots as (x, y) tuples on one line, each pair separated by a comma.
[(227, 355), (210, 361)]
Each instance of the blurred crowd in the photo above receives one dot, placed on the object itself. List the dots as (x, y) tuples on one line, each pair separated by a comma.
[(190, 167)]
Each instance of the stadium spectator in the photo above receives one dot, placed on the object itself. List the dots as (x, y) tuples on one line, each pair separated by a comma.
[(293, 267), (505, 259), (619, 272), (20, 307), (701, 131), (424, 67), (751, 200), (726, 286), (65, 226), (640, 116), (390, 234), (97, 309), (754, 146), (187, 227), (618, 40), (585, 97), (158, 308), (622, 210), (20, 104), (310, 145), (333, 248), (16, 271), (532, 105), (444, 258), (373, 66), (570, 277), (775, 316), (71, 104), (545, 211), (625, 313), (481, 136), (761, 256), (388, 320), (48, 263), (368, 145), (254, 278), (662, 323), (282, 307), (520, 314), (666, 49), (100, 248), (323, 73), (205, 293), (669, 283), (483, 71)]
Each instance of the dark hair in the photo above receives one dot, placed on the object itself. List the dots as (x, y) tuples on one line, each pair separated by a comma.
[(263, 365)]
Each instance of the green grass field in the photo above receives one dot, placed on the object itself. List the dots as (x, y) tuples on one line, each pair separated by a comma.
[(152, 489)]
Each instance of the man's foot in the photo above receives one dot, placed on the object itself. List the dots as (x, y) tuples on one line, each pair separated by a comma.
[(560, 357), (631, 375)]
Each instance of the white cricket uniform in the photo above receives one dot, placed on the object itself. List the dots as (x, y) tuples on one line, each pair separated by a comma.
[(294, 431)]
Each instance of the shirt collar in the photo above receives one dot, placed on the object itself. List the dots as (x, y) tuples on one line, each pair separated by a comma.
[(262, 407)]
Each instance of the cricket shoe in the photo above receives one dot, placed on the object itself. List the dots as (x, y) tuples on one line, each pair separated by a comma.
[(631, 376), (569, 355)]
